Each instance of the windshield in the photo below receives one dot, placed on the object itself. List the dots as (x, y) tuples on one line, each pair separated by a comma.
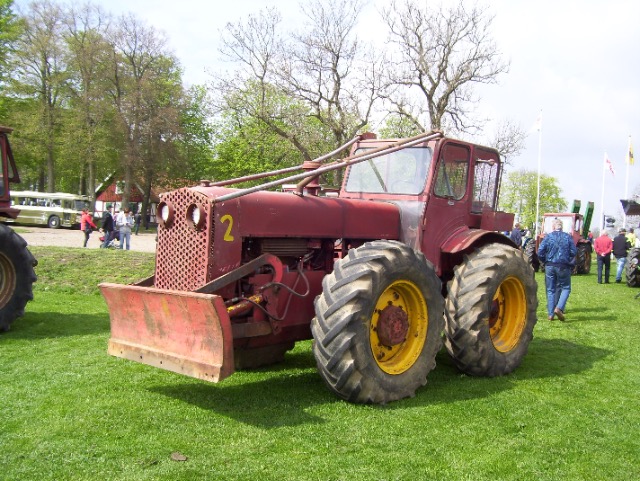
[(567, 223), (81, 204), (401, 172)]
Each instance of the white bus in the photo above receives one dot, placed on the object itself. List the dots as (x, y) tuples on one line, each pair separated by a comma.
[(53, 209)]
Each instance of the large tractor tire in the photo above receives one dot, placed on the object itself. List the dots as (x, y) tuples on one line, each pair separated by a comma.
[(378, 323), (632, 269), (16, 276), (531, 255), (583, 258), (490, 311)]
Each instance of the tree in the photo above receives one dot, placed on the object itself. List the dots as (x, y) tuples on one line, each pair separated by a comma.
[(40, 73), (146, 92), (508, 139), (439, 56), (87, 120), (10, 29), (518, 194), (283, 80), (196, 138)]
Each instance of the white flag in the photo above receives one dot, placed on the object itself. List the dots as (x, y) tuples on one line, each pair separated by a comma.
[(538, 124), (608, 163)]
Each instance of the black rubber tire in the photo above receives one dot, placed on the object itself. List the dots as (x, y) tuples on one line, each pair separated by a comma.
[(531, 255), (473, 312), (16, 276), (343, 326), (632, 268), (583, 258), (54, 222)]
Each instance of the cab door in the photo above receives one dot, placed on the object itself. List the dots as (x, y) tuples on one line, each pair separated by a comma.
[(447, 205)]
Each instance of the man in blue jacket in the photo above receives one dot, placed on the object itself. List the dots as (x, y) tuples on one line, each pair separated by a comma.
[(558, 252)]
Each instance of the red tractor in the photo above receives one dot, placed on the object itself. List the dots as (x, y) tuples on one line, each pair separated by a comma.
[(575, 224), (408, 248), (16, 262)]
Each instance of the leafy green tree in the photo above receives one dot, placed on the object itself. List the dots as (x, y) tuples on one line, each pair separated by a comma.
[(86, 139), (40, 73), (195, 142), (247, 146), (146, 93), (10, 29), (518, 194)]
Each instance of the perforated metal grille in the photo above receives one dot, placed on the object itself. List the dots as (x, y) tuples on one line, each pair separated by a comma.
[(181, 255)]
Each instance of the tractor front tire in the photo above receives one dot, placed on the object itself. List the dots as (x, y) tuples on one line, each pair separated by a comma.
[(490, 311), (583, 258), (16, 276), (632, 269), (378, 323), (531, 255)]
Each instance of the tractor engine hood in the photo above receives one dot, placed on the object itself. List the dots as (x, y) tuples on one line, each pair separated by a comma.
[(202, 238), (285, 214)]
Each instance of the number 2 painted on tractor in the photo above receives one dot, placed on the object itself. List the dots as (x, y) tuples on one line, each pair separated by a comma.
[(227, 235)]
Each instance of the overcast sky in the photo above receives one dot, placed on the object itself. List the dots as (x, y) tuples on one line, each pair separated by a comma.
[(576, 60)]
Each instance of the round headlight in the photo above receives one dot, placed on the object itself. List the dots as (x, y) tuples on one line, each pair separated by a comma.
[(195, 216), (165, 211)]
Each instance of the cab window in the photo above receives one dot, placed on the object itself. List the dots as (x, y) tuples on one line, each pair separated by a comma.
[(453, 171)]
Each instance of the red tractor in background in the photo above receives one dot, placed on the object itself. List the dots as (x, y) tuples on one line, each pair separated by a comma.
[(16, 262), (575, 224), (408, 248)]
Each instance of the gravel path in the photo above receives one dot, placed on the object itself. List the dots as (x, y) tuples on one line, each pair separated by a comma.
[(44, 236)]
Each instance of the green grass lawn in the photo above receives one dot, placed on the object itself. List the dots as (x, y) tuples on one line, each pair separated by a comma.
[(68, 411)]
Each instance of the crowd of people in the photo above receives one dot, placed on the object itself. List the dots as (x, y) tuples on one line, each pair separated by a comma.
[(557, 252), (116, 229)]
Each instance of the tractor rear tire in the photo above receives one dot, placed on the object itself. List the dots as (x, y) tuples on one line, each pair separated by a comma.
[(378, 323), (531, 255), (583, 258), (490, 311), (632, 269), (16, 276)]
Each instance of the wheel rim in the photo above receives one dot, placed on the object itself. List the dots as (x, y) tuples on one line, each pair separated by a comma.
[(7, 280), (508, 314), (398, 327)]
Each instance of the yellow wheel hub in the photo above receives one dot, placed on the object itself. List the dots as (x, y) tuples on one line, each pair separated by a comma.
[(7, 280), (508, 314), (398, 327)]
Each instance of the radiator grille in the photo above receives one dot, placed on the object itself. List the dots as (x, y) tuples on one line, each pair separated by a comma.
[(181, 255)]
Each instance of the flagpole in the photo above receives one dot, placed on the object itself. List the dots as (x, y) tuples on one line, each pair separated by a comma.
[(626, 183), (604, 170), (539, 163)]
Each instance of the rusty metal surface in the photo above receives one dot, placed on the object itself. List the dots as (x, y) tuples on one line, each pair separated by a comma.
[(182, 251), (184, 332)]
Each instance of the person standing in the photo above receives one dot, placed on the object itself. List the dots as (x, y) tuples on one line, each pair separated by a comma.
[(603, 247), (631, 237), (137, 219), (86, 225), (621, 246), (558, 252), (124, 222), (107, 226), (516, 235)]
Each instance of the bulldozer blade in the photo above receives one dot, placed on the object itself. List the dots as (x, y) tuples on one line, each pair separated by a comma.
[(184, 332)]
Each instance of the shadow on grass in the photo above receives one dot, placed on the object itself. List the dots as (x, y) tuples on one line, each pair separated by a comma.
[(584, 314), (280, 397), (282, 394), (41, 325)]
